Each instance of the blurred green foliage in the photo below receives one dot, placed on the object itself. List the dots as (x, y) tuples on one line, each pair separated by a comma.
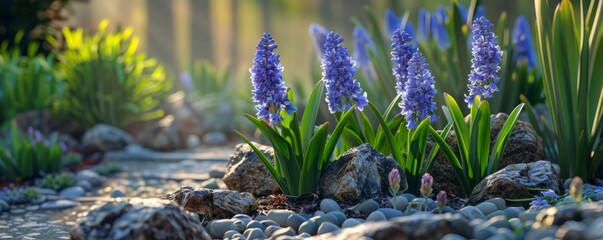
[(107, 81), (58, 182)]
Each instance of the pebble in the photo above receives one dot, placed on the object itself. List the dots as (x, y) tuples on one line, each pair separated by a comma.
[(4, 205), (216, 173), (254, 233), (118, 193), (498, 222), (295, 220), (210, 184), (327, 227), (255, 224), (400, 203), (390, 213), (471, 212), (279, 216), (271, 229), (17, 211), (452, 236), (329, 205), (72, 192), (47, 191), (376, 216), (368, 206), (32, 208), (500, 203), (288, 231), (91, 176), (339, 216), (513, 212), (230, 234), (309, 227), (496, 213), (408, 196), (218, 228), (486, 207), (350, 222), (268, 223)]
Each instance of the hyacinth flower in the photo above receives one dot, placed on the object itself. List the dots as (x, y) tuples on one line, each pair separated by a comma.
[(319, 37), (523, 50), (269, 91), (441, 199), (394, 181), (393, 22), (485, 63), (417, 99), (402, 52), (424, 26), (438, 29), (362, 43), (338, 75)]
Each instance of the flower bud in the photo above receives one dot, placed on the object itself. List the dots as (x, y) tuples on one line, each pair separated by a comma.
[(575, 191), (426, 184), (442, 199), (394, 180)]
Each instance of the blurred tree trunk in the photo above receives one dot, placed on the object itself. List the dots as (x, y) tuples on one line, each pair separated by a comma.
[(202, 44)]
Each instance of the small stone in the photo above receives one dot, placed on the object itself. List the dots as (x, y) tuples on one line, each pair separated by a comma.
[(58, 205), (498, 222), (390, 213), (527, 216), (85, 185), (260, 218), (268, 223), (594, 230), (350, 222), (515, 223), (452, 236), (4, 205), (471, 212), (210, 184), (513, 212), (376, 216), (295, 220), (38, 201), (500, 203), (279, 216), (319, 213), (32, 208), (218, 228), (254, 233), (408, 196), (400, 203), (339, 216), (255, 224), (230, 234), (304, 235), (328, 205), (496, 213), (17, 211), (483, 232), (288, 231), (599, 196), (539, 234), (418, 204), (367, 207), (486, 207), (327, 227), (270, 230), (571, 230), (117, 193), (91, 176), (216, 173), (72, 192), (309, 227)]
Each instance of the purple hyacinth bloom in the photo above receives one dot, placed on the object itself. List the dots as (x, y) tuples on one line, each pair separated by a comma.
[(441, 198), (30, 132), (438, 30), (480, 11), (485, 63), (417, 99), (402, 51), (269, 91), (319, 37), (523, 50), (424, 25), (393, 23), (550, 194), (362, 43), (338, 75), (539, 202)]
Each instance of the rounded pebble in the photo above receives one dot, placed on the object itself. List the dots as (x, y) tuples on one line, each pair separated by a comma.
[(500, 203), (486, 207), (295, 220), (400, 203), (309, 227), (268, 223), (408, 196), (279, 216), (271, 229), (339, 216), (390, 213), (538, 234), (452, 236), (58, 205), (327, 227), (483, 232), (319, 213), (368, 206), (230, 234), (255, 224), (72, 192), (288, 231), (513, 212), (218, 228), (498, 222), (117, 193), (496, 213), (4, 205), (350, 222), (471, 212), (254, 233), (329, 205), (376, 216)]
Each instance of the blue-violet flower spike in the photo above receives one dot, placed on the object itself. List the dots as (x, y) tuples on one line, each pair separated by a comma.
[(523, 50), (338, 75), (319, 37), (424, 25), (438, 30), (485, 63), (392, 22), (417, 99), (362, 43), (402, 51), (269, 91)]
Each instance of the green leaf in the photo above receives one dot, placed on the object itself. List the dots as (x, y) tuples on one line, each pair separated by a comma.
[(312, 168), (369, 132), (335, 135), (501, 139), (418, 144), (460, 128), (396, 152), (480, 140), (310, 113), (461, 173)]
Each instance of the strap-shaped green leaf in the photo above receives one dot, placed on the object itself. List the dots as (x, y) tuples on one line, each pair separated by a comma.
[(480, 138), (461, 173), (460, 128), (501, 139), (369, 132), (396, 152), (312, 168), (335, 135), (310, 113), (418, 144)]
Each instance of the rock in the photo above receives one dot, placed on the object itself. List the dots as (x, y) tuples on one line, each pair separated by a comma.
[(254, 233), (409, 227), (72, 192), (47, 122), (328, 205), (268, 222), (58, 205), (47, 191), (255, 224), (516, 180), (103, 137), (400, 203), (471, 212), (309, 227), (390, 213), (279, 216), (359, 174), (85, 185), (214, 203), (350, 222), (245, 172), (218, 228), (165, 135), (193, 141), (367, 207), (92, 177), (216, 173), (339, 216), (210, 184), (523, 146), (126, 221), (557, 216), (118, 193), (271, 229), (287, 231), (214, 138), (376, 216), (327, 227), (295, 220), (4, 206), (486, 207)]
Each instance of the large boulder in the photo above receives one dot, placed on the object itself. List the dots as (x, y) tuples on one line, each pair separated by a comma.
[(103, 137), (211, 204), (518, 181), (359, 174), (122, 220), (245, 172), (523, 146), (418, 226)]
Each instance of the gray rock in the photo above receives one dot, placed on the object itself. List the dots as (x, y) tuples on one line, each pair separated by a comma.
[(513, 212), (58, 205), (400, 203), (500, 203), (295, 220), (214, 203), (255, 224), (517, 181), (288, 231), (483, 232), (452, 236), (216, 173), (319, 213), (218, 228), (118, 193), (327, 227), (103, 137), (339, 216), (390, 213), (85, 185), (523, 146), (409, 227), (366, 207), (270, 230), (4, 206), (359, 174), (503, 234), (230, 234), (498, 222), (72, 192), (328, 205), (350, 222), (572, 230), (541, 234), (254, 233), (268, 223), (486, 207), (279, 216), (594, 230), (126, 221), (210, 184), (376, 216), (245, 172), (471, 212), (91, 176), (309, 227), (497, 213)]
